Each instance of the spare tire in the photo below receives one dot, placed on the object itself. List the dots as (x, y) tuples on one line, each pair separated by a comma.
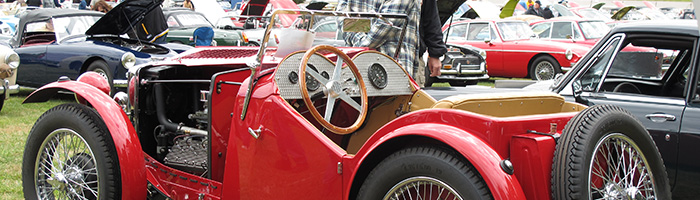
[(605, 152)]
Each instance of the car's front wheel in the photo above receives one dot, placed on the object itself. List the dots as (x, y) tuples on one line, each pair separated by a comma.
[(605, 153), (544, 68), (424, 173), (70, 155), (102, 68)]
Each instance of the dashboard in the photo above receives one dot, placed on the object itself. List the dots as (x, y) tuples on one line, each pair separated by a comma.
[(382, 75)]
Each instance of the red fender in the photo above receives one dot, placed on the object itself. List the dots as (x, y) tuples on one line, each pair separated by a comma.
[(126, 141), (480, 154)]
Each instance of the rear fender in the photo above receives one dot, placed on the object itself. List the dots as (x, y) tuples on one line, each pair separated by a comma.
[(484, 158), (126, 142)]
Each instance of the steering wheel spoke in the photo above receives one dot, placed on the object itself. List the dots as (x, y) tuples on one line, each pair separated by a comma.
[(334, 90)]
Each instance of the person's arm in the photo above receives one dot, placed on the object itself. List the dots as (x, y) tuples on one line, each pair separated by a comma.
[(432, 36)]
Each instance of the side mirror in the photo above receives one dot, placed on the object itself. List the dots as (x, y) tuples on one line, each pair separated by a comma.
[(487, 40), (577, 91)]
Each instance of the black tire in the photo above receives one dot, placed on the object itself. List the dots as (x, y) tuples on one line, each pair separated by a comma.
[(429, 80), (418, 164), (78, 134), (598, 132), (102, 68), (544, 68)]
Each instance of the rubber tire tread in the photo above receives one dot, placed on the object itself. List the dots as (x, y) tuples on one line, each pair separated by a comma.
[(88, 124), (456, 172), (579, 137), (557, 66)]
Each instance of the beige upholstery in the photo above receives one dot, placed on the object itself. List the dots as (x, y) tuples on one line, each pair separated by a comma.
[(510, 104), (421, 100)]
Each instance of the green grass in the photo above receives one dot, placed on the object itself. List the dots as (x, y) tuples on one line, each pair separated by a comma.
[(16, 120)]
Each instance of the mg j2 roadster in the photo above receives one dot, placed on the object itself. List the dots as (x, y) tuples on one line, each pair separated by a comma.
[(325, 122)]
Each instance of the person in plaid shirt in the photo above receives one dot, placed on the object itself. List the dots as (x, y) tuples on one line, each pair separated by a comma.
[(385, 37)]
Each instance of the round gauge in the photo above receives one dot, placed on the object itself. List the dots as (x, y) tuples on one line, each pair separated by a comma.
[(293, 77), (325, 75), (377, 76), (311, 83)]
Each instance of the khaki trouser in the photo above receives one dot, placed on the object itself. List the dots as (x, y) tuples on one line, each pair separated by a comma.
[(419, 73)]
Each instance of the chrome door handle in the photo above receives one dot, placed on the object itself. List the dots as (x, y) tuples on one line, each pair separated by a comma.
[(660, 117), (255, 133)]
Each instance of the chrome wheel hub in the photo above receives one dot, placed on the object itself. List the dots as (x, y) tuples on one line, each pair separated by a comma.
[(544, 71)]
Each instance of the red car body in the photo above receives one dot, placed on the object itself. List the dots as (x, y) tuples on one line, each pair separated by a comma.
[(263, 143), (515, 57), (299, 160)]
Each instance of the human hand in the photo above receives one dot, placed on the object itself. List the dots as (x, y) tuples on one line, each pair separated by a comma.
[(434, 65)]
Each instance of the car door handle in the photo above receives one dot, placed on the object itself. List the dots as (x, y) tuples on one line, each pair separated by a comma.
[(660, 117), (255, 133)]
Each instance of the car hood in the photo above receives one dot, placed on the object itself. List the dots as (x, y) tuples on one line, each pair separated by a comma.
[(121, 18), (448, 7)]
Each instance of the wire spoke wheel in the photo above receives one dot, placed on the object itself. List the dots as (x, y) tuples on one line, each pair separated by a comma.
[(421, 188), (66, 167), (544, 71), (620, 171), (102, 73)]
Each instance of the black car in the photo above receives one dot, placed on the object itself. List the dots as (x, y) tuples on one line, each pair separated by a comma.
[(650, 69)]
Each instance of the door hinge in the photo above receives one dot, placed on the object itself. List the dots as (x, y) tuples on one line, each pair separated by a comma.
[(340, 168)]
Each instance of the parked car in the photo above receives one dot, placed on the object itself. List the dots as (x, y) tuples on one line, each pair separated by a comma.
[(660, 88), (9, 61), (318, 124), (65, 42), (571, 30), (182, 22), (512, 51)]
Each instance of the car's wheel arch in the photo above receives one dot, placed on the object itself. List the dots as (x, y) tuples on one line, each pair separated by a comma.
[(90, 60), (486, 161), (126, 141)]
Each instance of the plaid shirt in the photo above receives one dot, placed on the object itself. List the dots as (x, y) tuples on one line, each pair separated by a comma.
[(383, 36)]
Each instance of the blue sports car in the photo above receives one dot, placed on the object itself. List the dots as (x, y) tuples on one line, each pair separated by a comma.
[(66, 42)]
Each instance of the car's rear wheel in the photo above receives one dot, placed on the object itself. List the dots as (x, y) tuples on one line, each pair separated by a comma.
[(70, 155), (424, 173), (544, 68), (606, 153), (2, 101)]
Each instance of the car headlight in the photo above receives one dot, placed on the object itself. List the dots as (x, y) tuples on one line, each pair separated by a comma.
[(482, 53), (569, 54), (12, 60), (128, 60)]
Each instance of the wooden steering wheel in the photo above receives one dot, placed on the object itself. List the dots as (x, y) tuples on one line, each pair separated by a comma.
[(334, 89)]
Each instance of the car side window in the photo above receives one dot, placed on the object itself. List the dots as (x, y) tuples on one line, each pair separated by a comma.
[(560, 30), (542, 30), (478, 31), (593, 76), (456, 32), (172, 22)]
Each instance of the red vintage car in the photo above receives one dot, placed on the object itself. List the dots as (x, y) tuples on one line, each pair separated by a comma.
[(512, 50), (325, 123)]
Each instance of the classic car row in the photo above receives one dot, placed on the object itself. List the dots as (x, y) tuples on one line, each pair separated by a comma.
[(335, 123)]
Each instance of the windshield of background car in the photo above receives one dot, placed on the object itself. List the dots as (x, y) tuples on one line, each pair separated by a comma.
[(188, 20), (64, 26), (514, 30), (593, 14), (594, 29)]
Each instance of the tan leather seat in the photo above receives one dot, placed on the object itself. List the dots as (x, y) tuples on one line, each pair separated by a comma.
[(509, 104)]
